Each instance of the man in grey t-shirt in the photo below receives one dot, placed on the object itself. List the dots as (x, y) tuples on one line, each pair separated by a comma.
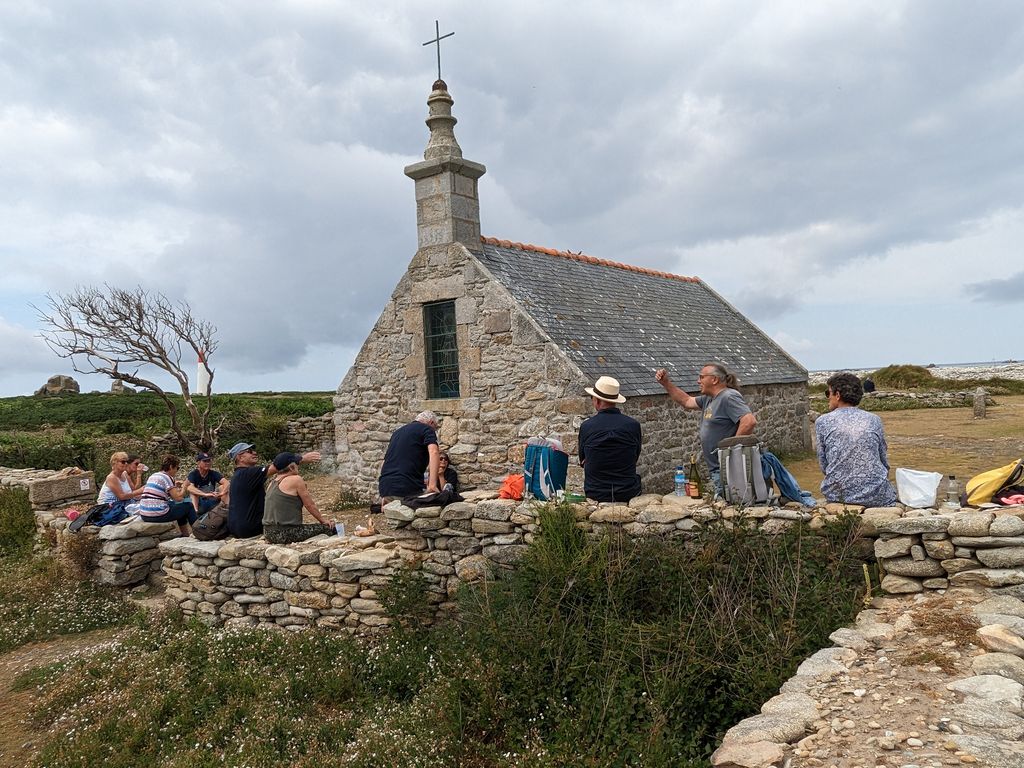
[(726, 414)]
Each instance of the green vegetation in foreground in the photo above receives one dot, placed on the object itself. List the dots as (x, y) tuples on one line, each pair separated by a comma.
[(594, 652), (40, 598)]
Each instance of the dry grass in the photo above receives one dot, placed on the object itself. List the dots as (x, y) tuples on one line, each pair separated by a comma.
[(948, 623), (931, 657), (946, 440)]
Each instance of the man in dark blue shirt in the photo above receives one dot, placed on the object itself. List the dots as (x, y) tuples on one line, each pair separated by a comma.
[(411, 452), (206, 485), (610, 445)]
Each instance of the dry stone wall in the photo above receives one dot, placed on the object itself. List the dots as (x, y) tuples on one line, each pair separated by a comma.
[(334, 582), (305, 433), (311, 433), (52, 489), (926, 549), (121, 555)]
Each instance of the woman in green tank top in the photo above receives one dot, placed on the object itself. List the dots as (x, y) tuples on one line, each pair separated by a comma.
[(282, 511)]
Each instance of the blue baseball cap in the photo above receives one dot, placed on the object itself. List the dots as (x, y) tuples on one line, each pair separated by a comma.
[(238, 448)]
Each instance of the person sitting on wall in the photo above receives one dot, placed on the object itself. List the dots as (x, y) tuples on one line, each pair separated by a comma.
[(163, 498), (609, 445), (246, 489), (851, 448), (726, 413), (206, 486), (135, 471), (869, 385), (411, 451), (287, 494), (117, 487), (447, 475)]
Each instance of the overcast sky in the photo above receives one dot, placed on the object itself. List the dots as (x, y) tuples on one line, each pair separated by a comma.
[(850, 175)]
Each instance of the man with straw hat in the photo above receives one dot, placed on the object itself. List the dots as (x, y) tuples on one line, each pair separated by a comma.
[(610, 445)]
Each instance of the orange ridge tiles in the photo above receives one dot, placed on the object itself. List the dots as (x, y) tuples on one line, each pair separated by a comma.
[(586, 259)]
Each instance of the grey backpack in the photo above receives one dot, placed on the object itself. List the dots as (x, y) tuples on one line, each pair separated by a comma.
[(743, 483)]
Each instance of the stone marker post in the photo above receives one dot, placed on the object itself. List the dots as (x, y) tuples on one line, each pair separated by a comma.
[(979, 403)]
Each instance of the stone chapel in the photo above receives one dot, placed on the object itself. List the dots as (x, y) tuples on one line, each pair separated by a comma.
[(500, 338)]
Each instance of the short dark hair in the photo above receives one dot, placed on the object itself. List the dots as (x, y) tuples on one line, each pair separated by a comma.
[(170, 461), (847, 386)]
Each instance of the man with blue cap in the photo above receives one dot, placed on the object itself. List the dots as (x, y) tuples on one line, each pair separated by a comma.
[(247, 489)]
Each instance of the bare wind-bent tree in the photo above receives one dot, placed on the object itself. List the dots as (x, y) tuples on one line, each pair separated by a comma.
[(121, 334)]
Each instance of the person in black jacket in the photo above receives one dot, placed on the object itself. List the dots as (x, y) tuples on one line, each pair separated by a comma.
[(609, 444)]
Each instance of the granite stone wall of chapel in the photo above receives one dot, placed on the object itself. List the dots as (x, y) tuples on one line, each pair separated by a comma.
[(514, 384)]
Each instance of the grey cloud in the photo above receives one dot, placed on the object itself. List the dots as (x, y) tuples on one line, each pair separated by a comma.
[(1003, 290), (761, 305), (251, 159)]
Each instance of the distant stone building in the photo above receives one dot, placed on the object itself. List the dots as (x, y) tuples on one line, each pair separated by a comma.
[(500, 338)]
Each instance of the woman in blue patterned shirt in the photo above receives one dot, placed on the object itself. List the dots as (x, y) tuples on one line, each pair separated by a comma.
[(851, 448)]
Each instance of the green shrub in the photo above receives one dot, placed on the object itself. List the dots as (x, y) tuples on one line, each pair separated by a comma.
[(17, 524), (118, 427), (619, 652), (146, 410), (45, 451), (903, 377)]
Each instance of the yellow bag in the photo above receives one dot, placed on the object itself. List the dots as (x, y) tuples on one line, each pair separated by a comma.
[(982, 488)]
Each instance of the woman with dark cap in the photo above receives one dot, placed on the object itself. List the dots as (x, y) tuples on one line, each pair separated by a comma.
[(282, 510)]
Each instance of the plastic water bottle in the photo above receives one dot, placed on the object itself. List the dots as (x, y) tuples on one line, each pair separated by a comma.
[(952, 501), (680, 481)]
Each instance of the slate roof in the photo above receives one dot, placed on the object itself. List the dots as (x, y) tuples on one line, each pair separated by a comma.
[(624, 321)]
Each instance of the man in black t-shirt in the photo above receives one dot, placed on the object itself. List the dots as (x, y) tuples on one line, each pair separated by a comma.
[(411, 452), (205, 485), (247, 489)]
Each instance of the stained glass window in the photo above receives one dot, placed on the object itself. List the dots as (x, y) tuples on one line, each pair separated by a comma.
[(441, 349)]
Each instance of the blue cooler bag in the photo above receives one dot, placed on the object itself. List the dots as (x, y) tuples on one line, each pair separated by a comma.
[(544, 470)]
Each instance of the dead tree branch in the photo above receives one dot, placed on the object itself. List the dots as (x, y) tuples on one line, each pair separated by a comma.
[(122, 334)]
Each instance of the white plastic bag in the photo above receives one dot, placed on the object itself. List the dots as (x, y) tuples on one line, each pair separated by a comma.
[(916, 488)]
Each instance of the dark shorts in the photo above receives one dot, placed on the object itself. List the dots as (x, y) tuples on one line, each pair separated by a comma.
[(178, 512), (288, 534)]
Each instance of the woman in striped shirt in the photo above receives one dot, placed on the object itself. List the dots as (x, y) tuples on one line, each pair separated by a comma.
[(163, 498)]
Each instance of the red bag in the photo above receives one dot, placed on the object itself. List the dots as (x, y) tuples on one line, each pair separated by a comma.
[(511, 487)]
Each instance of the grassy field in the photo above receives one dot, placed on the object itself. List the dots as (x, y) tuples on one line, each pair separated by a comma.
[(946, 440)]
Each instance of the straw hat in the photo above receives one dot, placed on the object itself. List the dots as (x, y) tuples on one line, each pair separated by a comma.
[(606, 388)]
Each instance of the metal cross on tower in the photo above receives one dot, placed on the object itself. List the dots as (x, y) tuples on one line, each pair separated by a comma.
[(438, 37)]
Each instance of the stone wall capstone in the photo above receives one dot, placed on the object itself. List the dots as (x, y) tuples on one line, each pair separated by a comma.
[(50, 488)]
